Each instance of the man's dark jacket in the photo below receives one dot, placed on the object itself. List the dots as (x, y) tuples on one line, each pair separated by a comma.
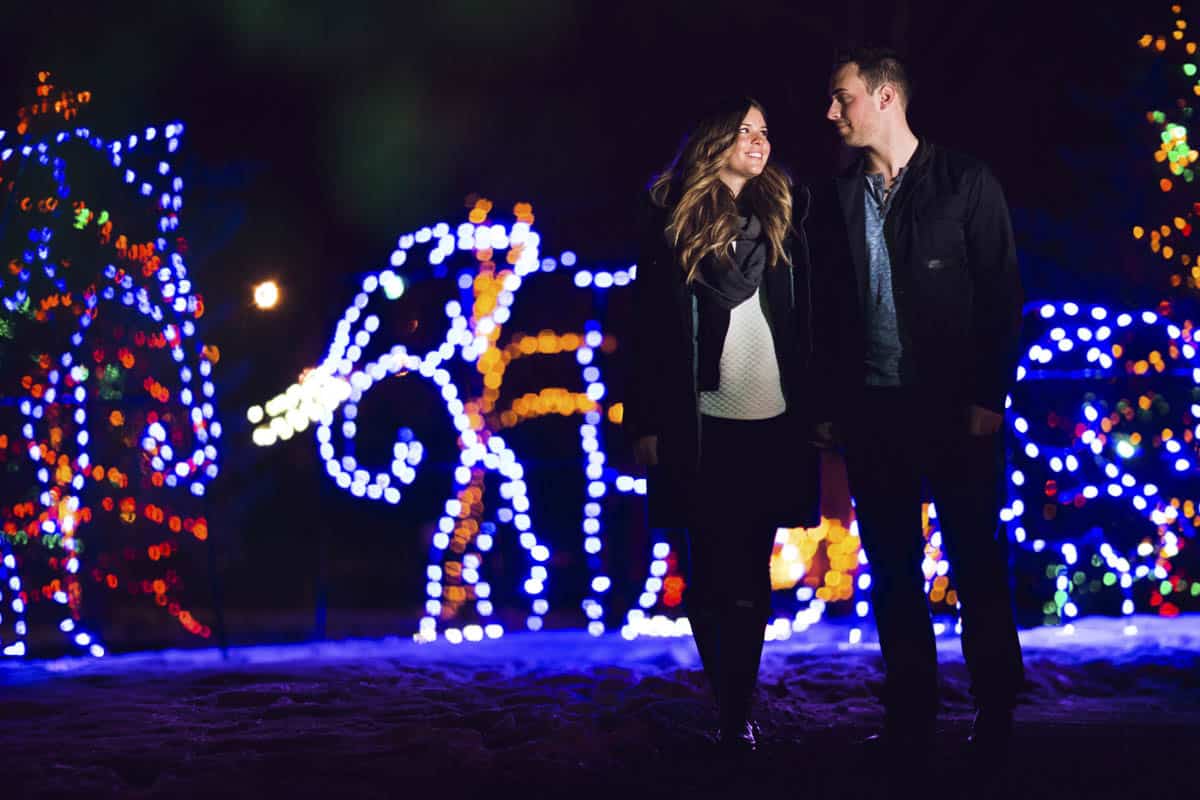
[(661, 394), (955, 280)]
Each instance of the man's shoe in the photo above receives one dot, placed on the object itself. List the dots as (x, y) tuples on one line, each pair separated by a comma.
[(903, 747), (739, 739), (991, 733), (909, 733)]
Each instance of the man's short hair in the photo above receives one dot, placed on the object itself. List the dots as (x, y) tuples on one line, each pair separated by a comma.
[(877, 66)]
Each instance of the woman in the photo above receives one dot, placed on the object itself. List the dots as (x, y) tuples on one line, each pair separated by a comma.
[(715, 402)]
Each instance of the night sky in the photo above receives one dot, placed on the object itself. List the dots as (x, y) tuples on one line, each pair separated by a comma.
[(317, 132)]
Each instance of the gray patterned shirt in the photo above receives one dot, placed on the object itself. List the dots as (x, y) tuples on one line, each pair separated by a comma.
[(883, 333)]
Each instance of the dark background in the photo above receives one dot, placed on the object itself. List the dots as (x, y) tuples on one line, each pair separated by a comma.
[(317, 132)]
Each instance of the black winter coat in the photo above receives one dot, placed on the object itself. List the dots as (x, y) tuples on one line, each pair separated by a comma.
[(662, 397), (955, 280)]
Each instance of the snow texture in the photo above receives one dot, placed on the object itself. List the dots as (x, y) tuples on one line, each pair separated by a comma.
[(563, 714)]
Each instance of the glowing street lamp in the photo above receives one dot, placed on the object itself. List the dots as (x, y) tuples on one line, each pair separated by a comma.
[(266, 295)]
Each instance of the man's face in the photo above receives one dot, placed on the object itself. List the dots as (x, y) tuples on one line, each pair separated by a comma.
[(852, 109)]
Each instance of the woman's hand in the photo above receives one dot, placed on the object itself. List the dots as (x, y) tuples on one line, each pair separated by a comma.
[(645, 451)]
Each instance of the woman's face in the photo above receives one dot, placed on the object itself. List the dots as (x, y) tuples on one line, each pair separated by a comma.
[(750, 150)]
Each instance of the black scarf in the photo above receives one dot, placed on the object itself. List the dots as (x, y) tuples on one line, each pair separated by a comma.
[(719, 287)]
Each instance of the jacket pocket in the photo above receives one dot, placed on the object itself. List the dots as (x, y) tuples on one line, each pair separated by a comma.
[(943, 299), (943, 240)]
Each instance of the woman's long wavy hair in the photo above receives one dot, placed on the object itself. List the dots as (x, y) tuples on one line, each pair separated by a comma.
[(703, 216)]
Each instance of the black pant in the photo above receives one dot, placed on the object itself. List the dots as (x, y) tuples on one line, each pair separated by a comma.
[(897, 441), (728, 596)]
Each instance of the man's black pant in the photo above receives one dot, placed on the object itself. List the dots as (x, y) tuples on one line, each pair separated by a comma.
[(899, 442)]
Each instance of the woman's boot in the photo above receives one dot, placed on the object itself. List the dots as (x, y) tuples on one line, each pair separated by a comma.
[(742, 631)]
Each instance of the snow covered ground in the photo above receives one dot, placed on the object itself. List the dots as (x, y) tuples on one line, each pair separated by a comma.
[(565, 714)]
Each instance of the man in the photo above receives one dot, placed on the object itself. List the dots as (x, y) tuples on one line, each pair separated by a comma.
[(917, 313)]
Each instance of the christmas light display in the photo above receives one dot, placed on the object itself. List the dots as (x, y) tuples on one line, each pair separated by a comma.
[(1103, 449), (467, 368), (114, 437), (1105, 458)]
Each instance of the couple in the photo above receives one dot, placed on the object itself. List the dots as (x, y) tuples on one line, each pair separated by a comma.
[(882, 314)]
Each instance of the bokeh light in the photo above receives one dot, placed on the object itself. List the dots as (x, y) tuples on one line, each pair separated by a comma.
[(266, 295)]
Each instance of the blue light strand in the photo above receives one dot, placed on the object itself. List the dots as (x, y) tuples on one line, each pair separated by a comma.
[(10, 586)]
